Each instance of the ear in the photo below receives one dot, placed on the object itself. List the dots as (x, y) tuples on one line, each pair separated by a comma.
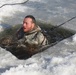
[(33, 25)]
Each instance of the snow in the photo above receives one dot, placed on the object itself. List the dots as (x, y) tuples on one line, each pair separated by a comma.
[(52, 11), (57, 60), (74, 38)]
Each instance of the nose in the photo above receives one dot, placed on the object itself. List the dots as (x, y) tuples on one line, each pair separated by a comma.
[(24, 25)]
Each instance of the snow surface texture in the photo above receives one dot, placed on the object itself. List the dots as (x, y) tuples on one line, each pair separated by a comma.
[(57, 60), (52, 11)]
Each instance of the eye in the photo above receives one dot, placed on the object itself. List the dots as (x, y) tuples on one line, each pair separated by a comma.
[(24, 22)]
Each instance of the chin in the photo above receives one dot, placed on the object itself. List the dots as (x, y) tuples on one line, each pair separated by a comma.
[(25, 30)]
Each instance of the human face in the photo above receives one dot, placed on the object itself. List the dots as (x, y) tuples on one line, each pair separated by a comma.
[(28, 25)]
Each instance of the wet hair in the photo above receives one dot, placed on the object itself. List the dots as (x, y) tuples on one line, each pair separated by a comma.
[(32, 17)]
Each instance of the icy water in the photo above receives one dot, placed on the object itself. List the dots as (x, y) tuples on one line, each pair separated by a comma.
[(57, 60), (53, 34)]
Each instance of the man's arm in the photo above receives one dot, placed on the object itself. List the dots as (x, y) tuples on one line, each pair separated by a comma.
[(20, 33)]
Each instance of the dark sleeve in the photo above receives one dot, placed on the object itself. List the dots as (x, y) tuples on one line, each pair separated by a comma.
[(20, 33)]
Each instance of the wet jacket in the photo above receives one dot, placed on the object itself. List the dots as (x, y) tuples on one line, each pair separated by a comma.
[(33, 39)]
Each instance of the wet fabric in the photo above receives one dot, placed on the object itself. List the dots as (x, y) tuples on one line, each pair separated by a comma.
[(33, 40)]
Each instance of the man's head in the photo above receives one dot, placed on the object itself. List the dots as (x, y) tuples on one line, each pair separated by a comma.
[(29, 23)]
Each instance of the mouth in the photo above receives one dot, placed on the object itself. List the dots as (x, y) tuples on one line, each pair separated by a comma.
[(24, 28)]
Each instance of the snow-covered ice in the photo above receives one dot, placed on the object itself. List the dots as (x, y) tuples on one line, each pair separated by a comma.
[(52, 11)]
